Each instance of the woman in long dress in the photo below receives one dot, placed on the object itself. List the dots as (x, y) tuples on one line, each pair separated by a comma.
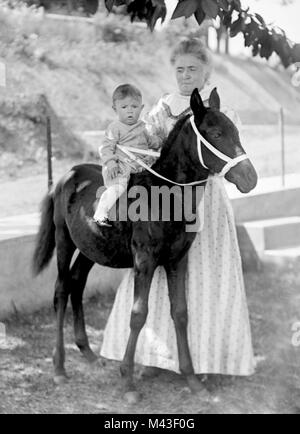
[(218, 322)]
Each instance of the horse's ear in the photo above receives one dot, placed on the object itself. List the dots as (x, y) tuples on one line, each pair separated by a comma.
[(214, 100), (197, 105)]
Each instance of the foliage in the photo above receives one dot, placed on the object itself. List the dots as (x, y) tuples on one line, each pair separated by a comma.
[(145, 10), (264, 39), (89, 6)]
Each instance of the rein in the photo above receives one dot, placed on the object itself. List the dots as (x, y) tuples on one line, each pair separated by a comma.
[(201, 141), (144, 165)]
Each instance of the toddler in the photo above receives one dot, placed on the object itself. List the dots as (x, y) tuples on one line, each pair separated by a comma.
[(129, 131)]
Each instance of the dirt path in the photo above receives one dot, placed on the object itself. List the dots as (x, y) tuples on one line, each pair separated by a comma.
[(26, 384)]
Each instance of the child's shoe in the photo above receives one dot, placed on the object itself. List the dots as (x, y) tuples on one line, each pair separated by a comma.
[(103, 222)]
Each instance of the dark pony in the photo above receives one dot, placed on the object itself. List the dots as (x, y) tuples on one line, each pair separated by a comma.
[(67, 224)]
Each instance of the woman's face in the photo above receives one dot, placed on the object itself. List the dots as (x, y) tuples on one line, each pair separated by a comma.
[(190, 74)]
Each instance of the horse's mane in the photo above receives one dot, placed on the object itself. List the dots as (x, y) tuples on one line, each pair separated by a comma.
[(168, 142), (141, 178)]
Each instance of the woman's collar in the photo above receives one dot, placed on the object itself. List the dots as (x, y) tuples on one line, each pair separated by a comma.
[(205, 93), (182, 97)]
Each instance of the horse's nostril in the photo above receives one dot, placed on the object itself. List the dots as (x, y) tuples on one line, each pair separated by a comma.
[(249, 174), (252, 176)]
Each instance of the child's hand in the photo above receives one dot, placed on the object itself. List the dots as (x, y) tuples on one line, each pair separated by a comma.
[(112, 169), (155, 143), (149, 161)]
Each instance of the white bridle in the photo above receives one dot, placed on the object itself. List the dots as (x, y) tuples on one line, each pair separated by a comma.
[(230, 162)]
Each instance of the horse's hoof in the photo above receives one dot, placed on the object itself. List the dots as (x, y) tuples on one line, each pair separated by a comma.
[(197, 388), (132, 397), (203, 395), (148, 372), (61, 379), (90, 356)]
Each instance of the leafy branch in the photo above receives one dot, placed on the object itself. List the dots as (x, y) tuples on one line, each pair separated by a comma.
[(145, 10), (264, 39)]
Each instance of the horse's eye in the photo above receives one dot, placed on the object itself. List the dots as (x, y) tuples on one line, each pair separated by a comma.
[(216, 135)]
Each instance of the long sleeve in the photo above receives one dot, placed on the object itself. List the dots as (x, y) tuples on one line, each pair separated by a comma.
[(154, 141), (107, 150), (156, 121)]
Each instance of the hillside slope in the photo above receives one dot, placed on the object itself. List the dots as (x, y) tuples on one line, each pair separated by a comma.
[(257, 91), (78, 82)]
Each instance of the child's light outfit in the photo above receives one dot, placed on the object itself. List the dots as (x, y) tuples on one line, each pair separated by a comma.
[(130, 136), (219, 332)]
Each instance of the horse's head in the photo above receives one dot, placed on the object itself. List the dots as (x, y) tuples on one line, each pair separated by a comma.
[(219, 147)]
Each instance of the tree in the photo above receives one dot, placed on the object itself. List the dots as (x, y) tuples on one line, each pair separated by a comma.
[(262, 38), (89, 6)]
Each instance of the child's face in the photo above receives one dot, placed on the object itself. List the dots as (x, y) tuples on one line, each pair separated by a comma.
[(128, 109)]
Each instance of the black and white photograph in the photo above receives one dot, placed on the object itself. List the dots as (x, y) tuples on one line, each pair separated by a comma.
[(149, 209)]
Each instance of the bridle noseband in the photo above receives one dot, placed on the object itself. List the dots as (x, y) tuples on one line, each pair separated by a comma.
[(230, 162)]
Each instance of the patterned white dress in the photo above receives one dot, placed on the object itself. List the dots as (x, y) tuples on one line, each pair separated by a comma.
[(218, 322)]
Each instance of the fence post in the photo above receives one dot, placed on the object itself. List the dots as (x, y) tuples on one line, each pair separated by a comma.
[(49, 152), (282, 138)]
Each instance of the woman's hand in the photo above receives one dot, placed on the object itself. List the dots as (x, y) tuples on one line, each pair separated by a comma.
[(112, 169)]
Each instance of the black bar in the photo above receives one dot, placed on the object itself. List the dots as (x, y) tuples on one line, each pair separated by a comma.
[(150, 423)]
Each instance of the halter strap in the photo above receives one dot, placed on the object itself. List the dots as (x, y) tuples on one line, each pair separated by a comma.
[(230, 162), (234, 162)]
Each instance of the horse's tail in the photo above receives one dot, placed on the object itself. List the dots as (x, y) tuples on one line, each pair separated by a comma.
[(45, 241)]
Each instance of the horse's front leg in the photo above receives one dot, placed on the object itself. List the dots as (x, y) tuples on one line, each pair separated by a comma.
[(144, 269), (176, 273)]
